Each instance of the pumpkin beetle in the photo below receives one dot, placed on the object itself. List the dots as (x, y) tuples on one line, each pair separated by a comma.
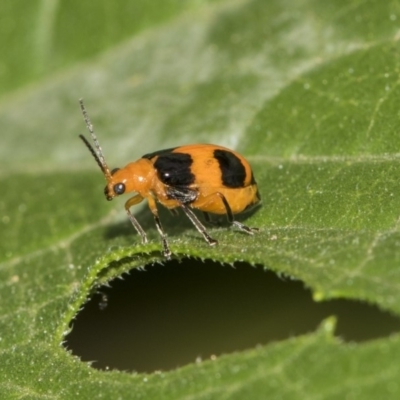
[(207, 177)]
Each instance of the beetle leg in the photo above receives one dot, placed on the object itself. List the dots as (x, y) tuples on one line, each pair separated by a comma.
[(153, 208), (174, 211), (131, 202), (207, 217), (229, 215), (199, 226), (209, 220), (248, 229), (231, 220)]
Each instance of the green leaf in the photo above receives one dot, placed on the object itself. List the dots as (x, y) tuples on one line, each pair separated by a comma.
[(51, 36), (307, 91)]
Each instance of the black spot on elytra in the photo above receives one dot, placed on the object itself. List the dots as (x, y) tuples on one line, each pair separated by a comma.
[(232, 169), (149, 156), (174, 169)]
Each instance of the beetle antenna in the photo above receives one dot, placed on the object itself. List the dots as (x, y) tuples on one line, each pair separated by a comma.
[(96, 153)]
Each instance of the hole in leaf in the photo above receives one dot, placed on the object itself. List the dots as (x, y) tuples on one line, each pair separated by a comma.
[(170, 315)]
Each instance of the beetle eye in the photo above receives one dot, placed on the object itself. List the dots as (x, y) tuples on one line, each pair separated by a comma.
[(119, 188), (113, 171)]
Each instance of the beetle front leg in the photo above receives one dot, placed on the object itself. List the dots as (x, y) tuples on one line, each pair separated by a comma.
[(131, 202)]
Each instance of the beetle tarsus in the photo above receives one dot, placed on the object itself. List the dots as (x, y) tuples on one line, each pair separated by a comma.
[(245, 228), (167, 253)]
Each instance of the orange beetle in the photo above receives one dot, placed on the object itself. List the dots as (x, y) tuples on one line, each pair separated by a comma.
[(206, 177)]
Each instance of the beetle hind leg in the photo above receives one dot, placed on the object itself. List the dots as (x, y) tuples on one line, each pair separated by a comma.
[(209, 220), (245, 228), (231, 220)]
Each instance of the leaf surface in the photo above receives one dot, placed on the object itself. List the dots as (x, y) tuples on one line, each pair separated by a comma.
[(307, 92)]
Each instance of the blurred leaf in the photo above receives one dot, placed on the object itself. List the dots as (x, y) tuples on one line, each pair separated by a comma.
[(308, 93), (51, 35)]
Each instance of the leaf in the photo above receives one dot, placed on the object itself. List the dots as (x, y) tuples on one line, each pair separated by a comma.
[(308, 93), (50, 36)]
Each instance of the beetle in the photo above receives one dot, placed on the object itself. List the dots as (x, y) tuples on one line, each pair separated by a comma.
[(207, 177)]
